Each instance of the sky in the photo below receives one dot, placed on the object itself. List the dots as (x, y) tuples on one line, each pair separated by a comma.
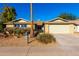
[(43, 11)]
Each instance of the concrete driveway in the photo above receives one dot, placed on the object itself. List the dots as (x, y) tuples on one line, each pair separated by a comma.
[(68, 45)]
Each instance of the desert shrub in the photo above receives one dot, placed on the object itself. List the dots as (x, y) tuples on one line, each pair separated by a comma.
[(40, 31), (21, 31), (17, 32), (1, 27), (10, 30), (37, 32), (45, 38)]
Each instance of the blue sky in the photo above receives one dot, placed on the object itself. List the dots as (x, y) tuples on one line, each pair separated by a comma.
[(43, 11)]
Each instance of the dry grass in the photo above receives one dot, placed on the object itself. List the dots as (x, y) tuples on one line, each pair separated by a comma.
[(36, 43), (12, 41)]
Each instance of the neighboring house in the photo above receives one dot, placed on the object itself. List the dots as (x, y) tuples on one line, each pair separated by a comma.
[(20, 23), (61, 26)]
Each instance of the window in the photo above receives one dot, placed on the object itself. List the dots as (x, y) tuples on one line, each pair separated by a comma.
[(17, 25), (23, 25)]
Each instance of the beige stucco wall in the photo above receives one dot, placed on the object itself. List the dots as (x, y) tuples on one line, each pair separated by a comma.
[(59, 28), (46, 28), (72, 28), (11, 26), (7, 26), (29, 26)]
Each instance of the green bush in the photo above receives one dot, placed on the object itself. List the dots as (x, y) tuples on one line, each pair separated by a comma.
[(17, 32), (20, 31), (45, 38)]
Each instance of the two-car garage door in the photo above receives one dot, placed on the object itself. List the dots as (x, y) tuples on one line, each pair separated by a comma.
[(61, 29)]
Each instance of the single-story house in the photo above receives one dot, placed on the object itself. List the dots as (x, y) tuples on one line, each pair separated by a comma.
[(61, 26), (57, 25), (22, 23)]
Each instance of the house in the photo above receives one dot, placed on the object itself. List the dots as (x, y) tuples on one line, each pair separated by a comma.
[(57, 25), (20, 23), (61, 26)]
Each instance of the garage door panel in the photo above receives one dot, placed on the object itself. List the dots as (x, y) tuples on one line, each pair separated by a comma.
[(77, 29), (59, 29)]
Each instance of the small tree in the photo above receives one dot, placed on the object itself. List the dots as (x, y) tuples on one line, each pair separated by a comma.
[(68, 16), (8, 14)]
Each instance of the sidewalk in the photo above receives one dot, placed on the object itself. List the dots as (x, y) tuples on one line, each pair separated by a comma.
[(37, 51)]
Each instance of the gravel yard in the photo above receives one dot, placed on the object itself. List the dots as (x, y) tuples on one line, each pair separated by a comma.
[(12, 41)]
